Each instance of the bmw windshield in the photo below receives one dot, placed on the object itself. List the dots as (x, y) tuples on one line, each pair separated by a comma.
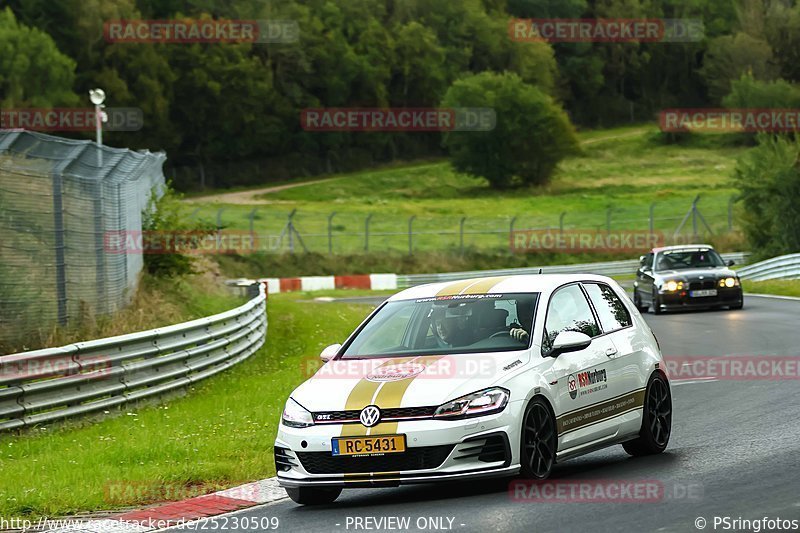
[(688, 259), (447, 325)]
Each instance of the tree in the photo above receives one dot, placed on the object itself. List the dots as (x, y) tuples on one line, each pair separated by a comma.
[(729, 57), (33, 73), (532, 133), (768, 177)]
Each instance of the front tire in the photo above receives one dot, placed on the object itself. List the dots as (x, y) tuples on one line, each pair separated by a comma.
[(656, 419), (637, 302), (313, 495), (538, 441), (656, 304)]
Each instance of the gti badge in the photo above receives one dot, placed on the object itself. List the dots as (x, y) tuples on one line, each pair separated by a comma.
[(370, 416)]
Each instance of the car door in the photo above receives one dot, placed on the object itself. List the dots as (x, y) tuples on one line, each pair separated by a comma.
[(580, 376), (625, 379)]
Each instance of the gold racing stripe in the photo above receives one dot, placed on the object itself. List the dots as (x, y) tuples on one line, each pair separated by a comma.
[(451, 289), (484, 285), (600, 411), (391, 395)]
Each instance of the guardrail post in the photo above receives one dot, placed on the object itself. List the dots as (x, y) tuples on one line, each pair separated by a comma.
[(366, 232), (511, 229), (461, 235), (411, 235), (330, 232)]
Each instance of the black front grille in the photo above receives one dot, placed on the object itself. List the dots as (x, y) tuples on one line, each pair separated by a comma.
[(702, 285), (351, 416), (420, 458), (488, 449)]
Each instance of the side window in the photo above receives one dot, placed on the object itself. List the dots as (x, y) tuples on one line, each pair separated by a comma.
[(647, 262), (568, 311), (610, 309)]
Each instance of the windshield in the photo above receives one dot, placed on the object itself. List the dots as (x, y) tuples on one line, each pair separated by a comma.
[(683, 259), (447, 325)]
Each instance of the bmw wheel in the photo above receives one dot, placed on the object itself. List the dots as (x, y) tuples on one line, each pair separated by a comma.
[(656, 303), (656, 419), (637, 302), (538, 447), (313, 495)]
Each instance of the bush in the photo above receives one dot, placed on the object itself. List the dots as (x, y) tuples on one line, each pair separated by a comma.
[(768, 177), (532, 132)]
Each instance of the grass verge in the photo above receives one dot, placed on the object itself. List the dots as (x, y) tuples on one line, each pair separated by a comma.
[(778, 287), (219, 434)]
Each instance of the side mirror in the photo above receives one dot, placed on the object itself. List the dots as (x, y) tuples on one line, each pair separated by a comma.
[(731, 262), (329, 352), (570, 341), (641, 259)]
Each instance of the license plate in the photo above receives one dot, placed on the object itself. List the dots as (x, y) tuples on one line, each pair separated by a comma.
[(377, 445), (708, 292)]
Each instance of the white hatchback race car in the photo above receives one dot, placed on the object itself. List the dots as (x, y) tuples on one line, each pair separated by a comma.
[(482, 377)]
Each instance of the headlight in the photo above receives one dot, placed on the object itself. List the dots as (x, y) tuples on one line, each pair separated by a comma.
[(673, 285), (296, 416), (728, 282), (478, 403)]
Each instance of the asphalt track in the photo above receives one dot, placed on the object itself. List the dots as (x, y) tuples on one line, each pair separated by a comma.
[(734, 452)]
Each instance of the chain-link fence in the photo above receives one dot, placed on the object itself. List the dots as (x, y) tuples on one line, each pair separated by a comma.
[(344, 232), (59, 198)]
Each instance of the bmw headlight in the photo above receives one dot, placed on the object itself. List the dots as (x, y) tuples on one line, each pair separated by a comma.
[(729, 282), (673, 285), (479, 403), (296, 416)]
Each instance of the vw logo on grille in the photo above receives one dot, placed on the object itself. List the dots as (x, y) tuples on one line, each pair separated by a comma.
[(370, 416)]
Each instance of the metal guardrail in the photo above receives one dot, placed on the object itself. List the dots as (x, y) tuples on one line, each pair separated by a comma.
[(610, 268), (45, 385), (781, 267)]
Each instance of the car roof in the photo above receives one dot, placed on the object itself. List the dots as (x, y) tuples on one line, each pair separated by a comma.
[(681, 247), (527, 283)]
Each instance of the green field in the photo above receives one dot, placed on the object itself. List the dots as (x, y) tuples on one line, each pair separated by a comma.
[(625, 170), (218, 435)]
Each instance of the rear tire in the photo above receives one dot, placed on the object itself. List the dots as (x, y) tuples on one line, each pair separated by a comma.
[(313, 495), (538, 441), (656, 419)]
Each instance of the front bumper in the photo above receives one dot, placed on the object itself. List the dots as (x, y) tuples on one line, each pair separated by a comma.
[(437, 450), (683, 299)]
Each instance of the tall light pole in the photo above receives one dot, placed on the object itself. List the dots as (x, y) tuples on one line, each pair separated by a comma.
[(98, 96)]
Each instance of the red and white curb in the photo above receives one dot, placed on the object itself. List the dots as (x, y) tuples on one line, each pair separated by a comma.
[(375, 282), (178, 513)]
